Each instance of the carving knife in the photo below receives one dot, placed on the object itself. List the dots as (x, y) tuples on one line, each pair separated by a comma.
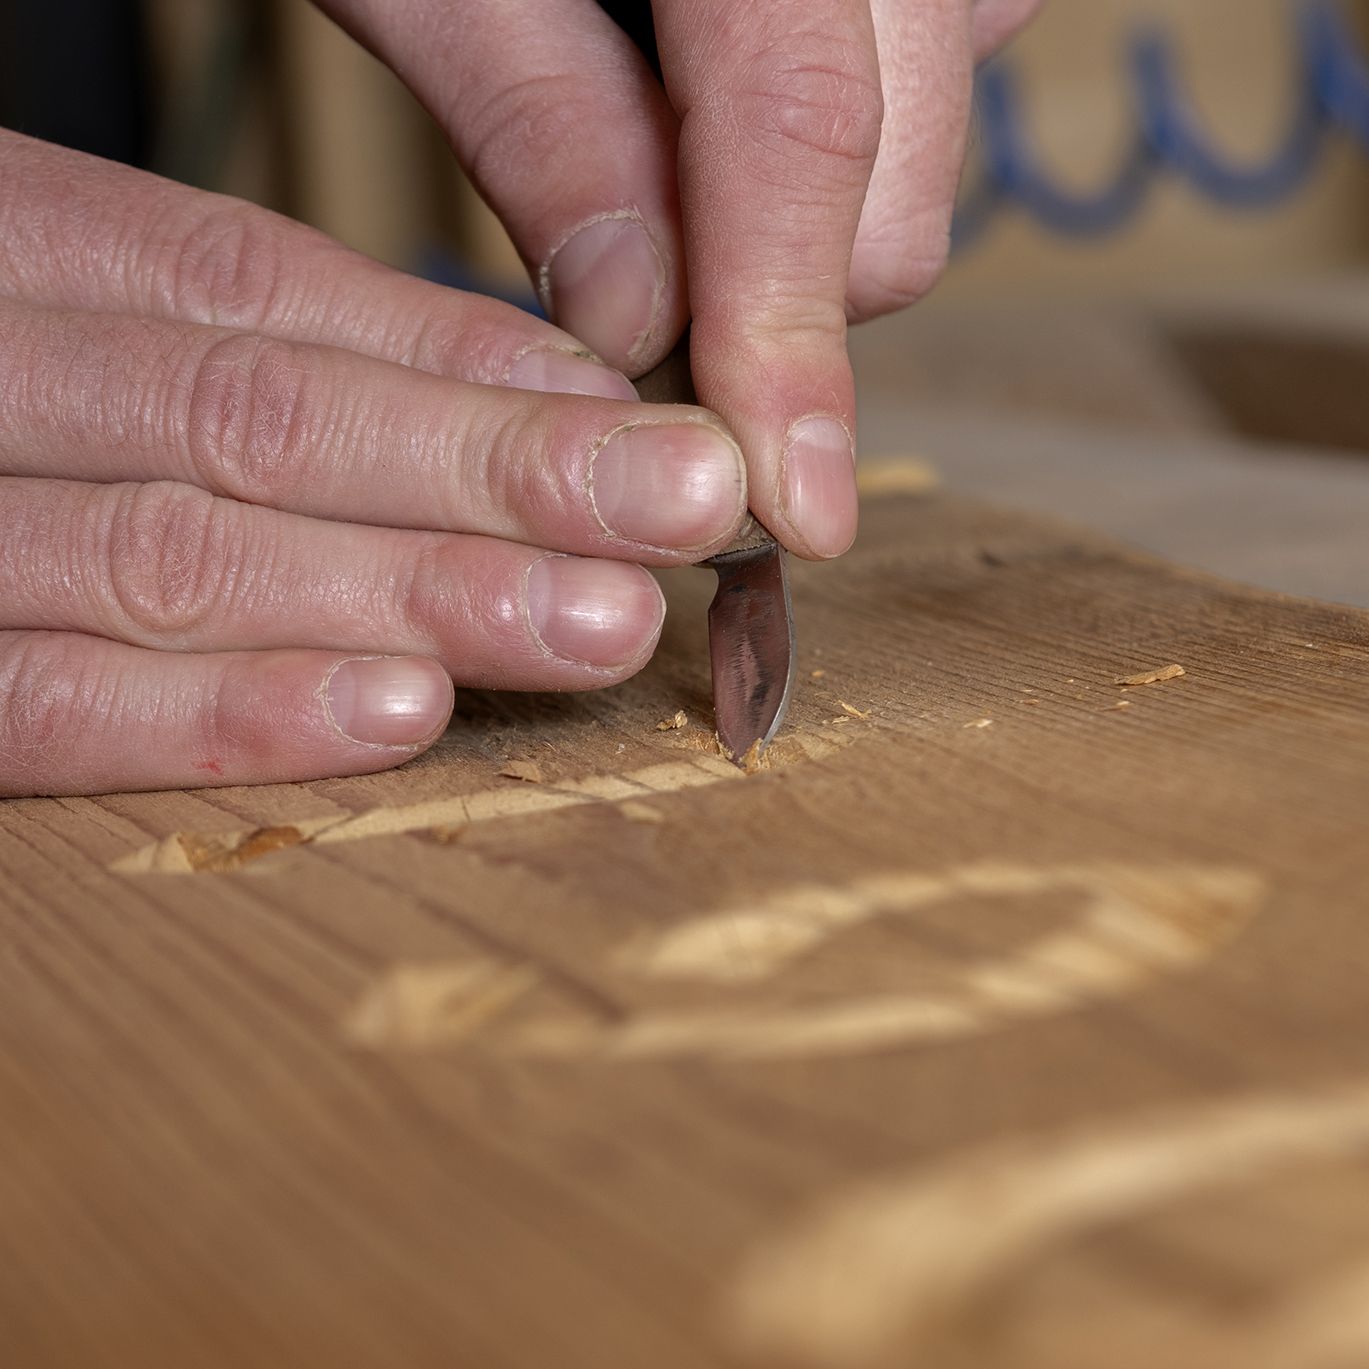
[(751, 619)]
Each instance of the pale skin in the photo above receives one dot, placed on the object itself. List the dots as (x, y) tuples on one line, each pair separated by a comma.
[(262, 500)]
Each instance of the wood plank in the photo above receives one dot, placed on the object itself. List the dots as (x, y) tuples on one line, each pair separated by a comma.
[(1024, 992)]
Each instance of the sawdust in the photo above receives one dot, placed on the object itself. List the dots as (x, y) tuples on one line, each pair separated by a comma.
[(675, 724), (1149, 677), (220, 856), (706, 742), (527, 771), (816, 674), (635, 811), (755, 758)]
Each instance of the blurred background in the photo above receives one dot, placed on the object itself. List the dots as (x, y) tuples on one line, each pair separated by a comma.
[(1156, 319), (269, 100)]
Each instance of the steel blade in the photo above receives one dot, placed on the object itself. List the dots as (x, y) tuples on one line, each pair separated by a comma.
[(751, 642)]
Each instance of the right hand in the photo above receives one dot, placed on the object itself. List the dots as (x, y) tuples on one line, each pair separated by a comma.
[(263, 499)]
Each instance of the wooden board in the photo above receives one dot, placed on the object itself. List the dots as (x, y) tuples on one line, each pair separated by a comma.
[(1014, 1018)]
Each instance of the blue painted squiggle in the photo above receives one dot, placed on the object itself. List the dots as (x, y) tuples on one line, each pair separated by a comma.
[(1331, 96)]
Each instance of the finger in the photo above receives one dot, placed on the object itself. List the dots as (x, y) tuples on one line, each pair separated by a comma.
[(780, 107), (326, 432), (996, 21), (77, 232), (80, 715), (569, 136), (926, 59), (167, 565)]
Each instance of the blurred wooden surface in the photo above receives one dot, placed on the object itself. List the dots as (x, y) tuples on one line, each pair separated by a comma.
[(1225, 429), (1009, 991)]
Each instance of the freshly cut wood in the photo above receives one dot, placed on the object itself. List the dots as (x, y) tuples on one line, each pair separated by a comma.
[(959, 1017)]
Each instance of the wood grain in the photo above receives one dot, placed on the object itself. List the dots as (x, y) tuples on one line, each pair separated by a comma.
[(645, 1065)]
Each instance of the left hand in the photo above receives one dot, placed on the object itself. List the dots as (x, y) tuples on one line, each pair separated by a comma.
[(797, 170)]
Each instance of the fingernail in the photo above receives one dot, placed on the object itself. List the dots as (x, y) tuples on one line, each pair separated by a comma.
[(819, 485), (601, 613), (669, 484), (603, 284), (556, 372), (388, 700)]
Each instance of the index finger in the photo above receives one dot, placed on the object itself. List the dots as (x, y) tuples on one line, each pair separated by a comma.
[(780, 109)]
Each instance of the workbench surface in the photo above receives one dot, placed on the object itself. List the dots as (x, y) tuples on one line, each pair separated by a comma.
[(1015, 1018)]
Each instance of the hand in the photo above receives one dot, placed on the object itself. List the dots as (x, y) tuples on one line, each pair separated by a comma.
[(260, 496), (819, 147)]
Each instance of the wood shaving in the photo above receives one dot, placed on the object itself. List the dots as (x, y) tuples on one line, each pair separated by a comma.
[(816, 674), (635, 811), (841, 719), (675, 724), (979, 722), (528, 771), (755, 758), (1149, 677), (1120, 706), (217, 857), (851, 711)]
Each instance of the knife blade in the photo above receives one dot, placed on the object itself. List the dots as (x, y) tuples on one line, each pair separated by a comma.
[(751, 619)]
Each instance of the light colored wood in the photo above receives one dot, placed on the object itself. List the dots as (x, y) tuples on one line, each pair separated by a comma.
[(1008, 991)]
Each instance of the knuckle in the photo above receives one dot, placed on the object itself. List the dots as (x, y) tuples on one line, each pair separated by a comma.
[(819, 102), (545, 111), (171, 560), (895, 269), (468, 611), (521, 471), (227, 267), (47, 702), (247, 713), (250, 422), (476, 345)]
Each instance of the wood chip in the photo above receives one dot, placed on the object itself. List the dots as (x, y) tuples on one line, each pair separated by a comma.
[(528, 771), (851, 711), (1149, 677), (816, 674), (680, 720), (219, 857), (980, 722)]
